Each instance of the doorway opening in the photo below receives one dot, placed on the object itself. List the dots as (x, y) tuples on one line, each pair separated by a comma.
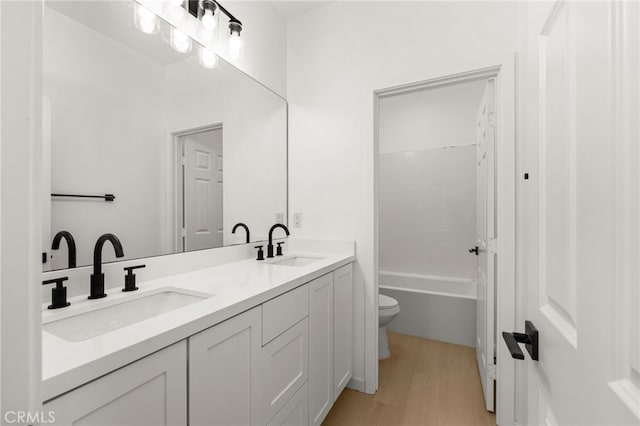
[(198, 188), (443, 154)]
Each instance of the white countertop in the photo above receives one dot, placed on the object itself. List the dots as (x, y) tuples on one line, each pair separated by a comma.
[(236, 286)]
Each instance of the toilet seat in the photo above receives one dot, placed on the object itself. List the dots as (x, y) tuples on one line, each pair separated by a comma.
[(386, 302)]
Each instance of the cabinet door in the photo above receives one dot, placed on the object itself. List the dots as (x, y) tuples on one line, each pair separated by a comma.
[(224, 372), (342, 327), (295, 412), (320, 348), (285, 365), (151, 391)]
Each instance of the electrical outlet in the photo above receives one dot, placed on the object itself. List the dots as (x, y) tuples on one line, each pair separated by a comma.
[(297, 220), (279, 217)]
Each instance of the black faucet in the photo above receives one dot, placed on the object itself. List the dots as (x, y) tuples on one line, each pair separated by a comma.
[(97, 278), (71, 246), (270, 246), (241, 225)]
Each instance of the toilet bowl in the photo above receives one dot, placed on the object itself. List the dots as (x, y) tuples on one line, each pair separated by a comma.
[(387, 310)]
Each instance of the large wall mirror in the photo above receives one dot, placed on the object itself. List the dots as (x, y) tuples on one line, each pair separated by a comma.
[(186, 151)]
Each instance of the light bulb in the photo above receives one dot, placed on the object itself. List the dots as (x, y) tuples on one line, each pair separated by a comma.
[(209, 20), (235, 44), (145, 20), (176, 12), (180, 41), (208, 59)]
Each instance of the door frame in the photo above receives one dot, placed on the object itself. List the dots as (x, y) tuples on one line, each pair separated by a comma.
[(503, 70), (176, 179)]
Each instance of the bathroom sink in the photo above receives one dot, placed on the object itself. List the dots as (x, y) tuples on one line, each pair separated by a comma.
[(82, 326), (294, 260)]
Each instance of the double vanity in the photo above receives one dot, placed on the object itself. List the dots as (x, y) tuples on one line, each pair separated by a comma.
[(245, 342)]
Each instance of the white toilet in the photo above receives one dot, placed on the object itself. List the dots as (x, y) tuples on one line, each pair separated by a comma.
[(387, 310)]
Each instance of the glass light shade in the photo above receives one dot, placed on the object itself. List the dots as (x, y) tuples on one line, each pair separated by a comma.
[(209, 20), (208, 59), (235, 45), (180, 41), (176, 11), (145, 20)]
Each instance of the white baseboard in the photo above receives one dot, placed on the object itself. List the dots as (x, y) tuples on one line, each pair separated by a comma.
[(356, 384)]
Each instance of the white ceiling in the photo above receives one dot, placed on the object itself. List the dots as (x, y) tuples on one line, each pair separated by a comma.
[(292, 8)]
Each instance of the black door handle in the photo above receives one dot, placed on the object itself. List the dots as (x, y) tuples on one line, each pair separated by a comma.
[(529, 338), (474, 250)]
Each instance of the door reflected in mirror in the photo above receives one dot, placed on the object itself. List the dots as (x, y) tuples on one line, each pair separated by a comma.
[(187, 151)]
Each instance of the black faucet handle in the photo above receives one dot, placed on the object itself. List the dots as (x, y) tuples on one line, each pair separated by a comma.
[(130, 269), (260, 253), (279, 249), (57, 281), (58, 293), (130, 278)]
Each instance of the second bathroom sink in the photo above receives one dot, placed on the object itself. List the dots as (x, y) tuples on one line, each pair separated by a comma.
[(295, 260)]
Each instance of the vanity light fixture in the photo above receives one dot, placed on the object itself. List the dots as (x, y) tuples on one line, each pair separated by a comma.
[(180, 41), (145, 20), (207, 12), (208, 58)]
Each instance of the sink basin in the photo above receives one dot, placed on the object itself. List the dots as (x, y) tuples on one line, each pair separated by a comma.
[(85, 325), (295, 260)]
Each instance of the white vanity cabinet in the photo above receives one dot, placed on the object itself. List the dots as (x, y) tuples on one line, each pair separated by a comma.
[(330, 340), (285, 355), (225, 372), (283, 362), (151, 391)]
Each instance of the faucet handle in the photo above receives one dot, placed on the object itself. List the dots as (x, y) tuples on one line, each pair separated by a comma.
[(279, 249), (58, 293), (260, 253), (130, 278)]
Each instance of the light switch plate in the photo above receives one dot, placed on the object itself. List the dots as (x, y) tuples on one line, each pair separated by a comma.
[(297, 220)]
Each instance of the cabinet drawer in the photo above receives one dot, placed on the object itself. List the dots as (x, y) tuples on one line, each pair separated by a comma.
[(285, 367), (295, 412), (281, 313)]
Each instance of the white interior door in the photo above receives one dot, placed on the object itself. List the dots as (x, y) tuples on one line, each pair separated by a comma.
[(203, 186), (581, 217), (485, 310)]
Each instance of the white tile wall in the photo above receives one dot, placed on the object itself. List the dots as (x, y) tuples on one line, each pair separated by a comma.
[(428, 212)]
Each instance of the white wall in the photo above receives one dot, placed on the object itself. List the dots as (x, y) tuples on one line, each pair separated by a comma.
[(264, 35), (430, 118), (428, 212), (337, 56), (20, 200)]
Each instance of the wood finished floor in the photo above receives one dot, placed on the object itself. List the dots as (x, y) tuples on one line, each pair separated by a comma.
[(423, 382)]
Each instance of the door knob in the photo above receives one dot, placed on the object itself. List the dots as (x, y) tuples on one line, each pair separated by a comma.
[(529, 338), (474, 250)]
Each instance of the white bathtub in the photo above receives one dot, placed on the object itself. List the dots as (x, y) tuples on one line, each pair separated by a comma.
[(433, 307)]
